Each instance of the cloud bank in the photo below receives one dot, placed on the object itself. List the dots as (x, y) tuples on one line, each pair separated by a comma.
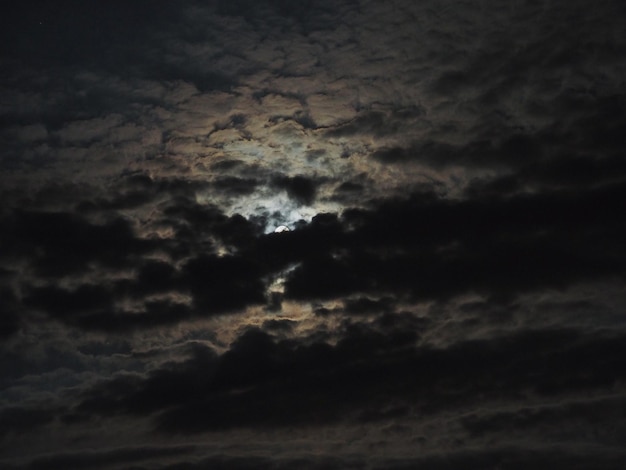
[(449, 294)]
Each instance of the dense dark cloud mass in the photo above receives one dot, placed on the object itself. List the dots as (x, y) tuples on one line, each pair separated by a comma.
[(348, 234)]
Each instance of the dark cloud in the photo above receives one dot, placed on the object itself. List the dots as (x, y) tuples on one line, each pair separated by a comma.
[(514, 458), (172, 384), (325, 278), (349, 186), (17, 420), (374, 123), (506, 247), (236, 186), (109, 459), (511, 458), (311, 241), (63, 243), (279, 325), (155, 276), (92, 307), (221, 284), (225, 165), (300, 188), (195, 223), (560, 415), (432, 248), (367, 305), (378, 124), (261, 382), (573, 153), (449, 294), (9, 312), (65, 303), (262, 462), (217, 284)]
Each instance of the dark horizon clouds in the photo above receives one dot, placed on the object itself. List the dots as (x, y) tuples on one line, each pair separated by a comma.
[(449, 294)]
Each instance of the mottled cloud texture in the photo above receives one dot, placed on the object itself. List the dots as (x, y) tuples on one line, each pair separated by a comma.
[(450, 289)]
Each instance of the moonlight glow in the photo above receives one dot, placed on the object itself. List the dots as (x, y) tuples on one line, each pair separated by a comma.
[(312, 234)]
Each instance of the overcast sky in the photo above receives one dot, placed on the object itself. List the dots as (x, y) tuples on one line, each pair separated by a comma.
[(450, 292)]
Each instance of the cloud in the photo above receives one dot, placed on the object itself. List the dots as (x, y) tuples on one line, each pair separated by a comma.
[(568, 415), (221, 284), (262, 382), (17, 420), (9, 313), (429, 247), (169, 385), (236, 186), (92, 307), (215, 284), (64, 243), (110, 458), (452, 176), (300, 188), (411, 247), (362, 305), (61, 302)]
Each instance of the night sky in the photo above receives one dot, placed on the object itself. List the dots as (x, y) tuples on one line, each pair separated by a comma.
[(446, 287)]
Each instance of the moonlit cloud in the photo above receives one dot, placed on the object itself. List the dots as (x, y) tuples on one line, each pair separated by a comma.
[(449, 288)]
